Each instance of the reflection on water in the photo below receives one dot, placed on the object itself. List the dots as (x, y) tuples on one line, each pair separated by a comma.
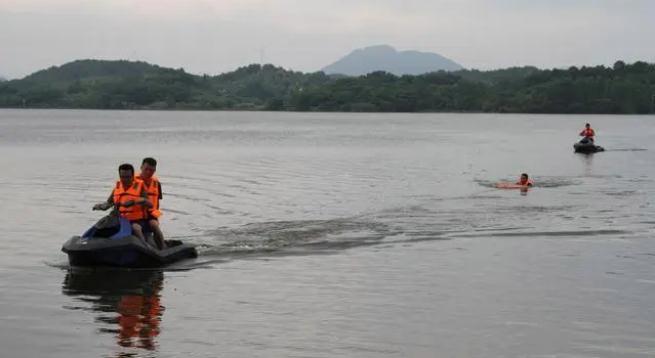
[(126, 303), (587, 161)]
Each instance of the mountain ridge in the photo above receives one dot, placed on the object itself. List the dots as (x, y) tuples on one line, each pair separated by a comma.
[(386, 58)]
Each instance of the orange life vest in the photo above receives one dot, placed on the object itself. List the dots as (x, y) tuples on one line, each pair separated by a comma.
[(587, 132), (528, 183), (134, 212), (154, 195)]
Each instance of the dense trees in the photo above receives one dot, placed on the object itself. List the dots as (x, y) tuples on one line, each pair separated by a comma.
[(622, 88)]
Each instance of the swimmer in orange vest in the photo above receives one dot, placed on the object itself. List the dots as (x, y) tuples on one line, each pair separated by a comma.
[(525, 180), (588, 132), (153, 188), (523, 183), (130, 198)]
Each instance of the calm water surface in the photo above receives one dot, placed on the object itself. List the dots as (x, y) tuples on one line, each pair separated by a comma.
[(323, 235)]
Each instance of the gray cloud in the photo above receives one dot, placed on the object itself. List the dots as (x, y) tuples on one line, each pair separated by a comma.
[(215, 36)]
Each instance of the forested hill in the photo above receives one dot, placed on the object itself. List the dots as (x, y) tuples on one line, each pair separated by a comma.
[(623, 88)]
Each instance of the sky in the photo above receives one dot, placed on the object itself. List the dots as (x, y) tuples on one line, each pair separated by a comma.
[(215, 36)]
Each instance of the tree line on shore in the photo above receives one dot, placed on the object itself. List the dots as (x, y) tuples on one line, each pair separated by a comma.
[(95, 84)]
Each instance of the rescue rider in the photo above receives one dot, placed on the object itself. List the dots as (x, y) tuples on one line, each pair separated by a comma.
[(525, 181), (130, 199), (153, 187), (588, 132)]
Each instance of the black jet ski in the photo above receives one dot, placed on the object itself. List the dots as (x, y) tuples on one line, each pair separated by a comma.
[(587, 146), (110, 242)]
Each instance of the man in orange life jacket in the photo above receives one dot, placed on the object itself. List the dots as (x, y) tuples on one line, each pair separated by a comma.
[(588, 132), (153, 187), (130, 199), (525, 181)]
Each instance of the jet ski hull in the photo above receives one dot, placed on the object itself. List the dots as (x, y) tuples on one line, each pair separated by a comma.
[(587, 148), (128, 251)]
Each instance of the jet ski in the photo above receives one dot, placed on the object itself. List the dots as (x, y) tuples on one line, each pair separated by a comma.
[(587, 146), (110, 242)]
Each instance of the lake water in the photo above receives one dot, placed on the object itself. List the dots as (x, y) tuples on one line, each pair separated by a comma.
[(324, 235)]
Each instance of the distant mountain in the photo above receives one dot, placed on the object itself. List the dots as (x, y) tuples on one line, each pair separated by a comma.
[(386, 58)]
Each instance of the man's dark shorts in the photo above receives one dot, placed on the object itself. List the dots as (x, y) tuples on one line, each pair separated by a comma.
[(145, 227)]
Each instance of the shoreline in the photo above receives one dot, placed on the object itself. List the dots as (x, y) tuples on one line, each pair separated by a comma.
[(321, 112)]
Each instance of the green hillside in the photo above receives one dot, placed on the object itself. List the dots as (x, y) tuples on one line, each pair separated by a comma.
[(94, 84)]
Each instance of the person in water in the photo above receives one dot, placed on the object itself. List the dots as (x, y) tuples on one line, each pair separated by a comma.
[(153, 188), (523, 183), (130, 198), (588, 132), (525, 180)]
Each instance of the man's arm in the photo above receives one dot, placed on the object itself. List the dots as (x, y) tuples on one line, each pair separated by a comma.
[(142, 200), (106, 204)]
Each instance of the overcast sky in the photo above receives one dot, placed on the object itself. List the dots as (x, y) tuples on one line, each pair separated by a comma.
[(214, 36)]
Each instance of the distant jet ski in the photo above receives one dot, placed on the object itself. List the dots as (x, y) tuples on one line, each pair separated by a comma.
[(586, 146), (110, 242)]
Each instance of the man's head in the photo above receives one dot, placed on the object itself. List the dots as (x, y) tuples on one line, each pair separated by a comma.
[(524, 178), (587, 125), (148, 167), (126, 174)]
